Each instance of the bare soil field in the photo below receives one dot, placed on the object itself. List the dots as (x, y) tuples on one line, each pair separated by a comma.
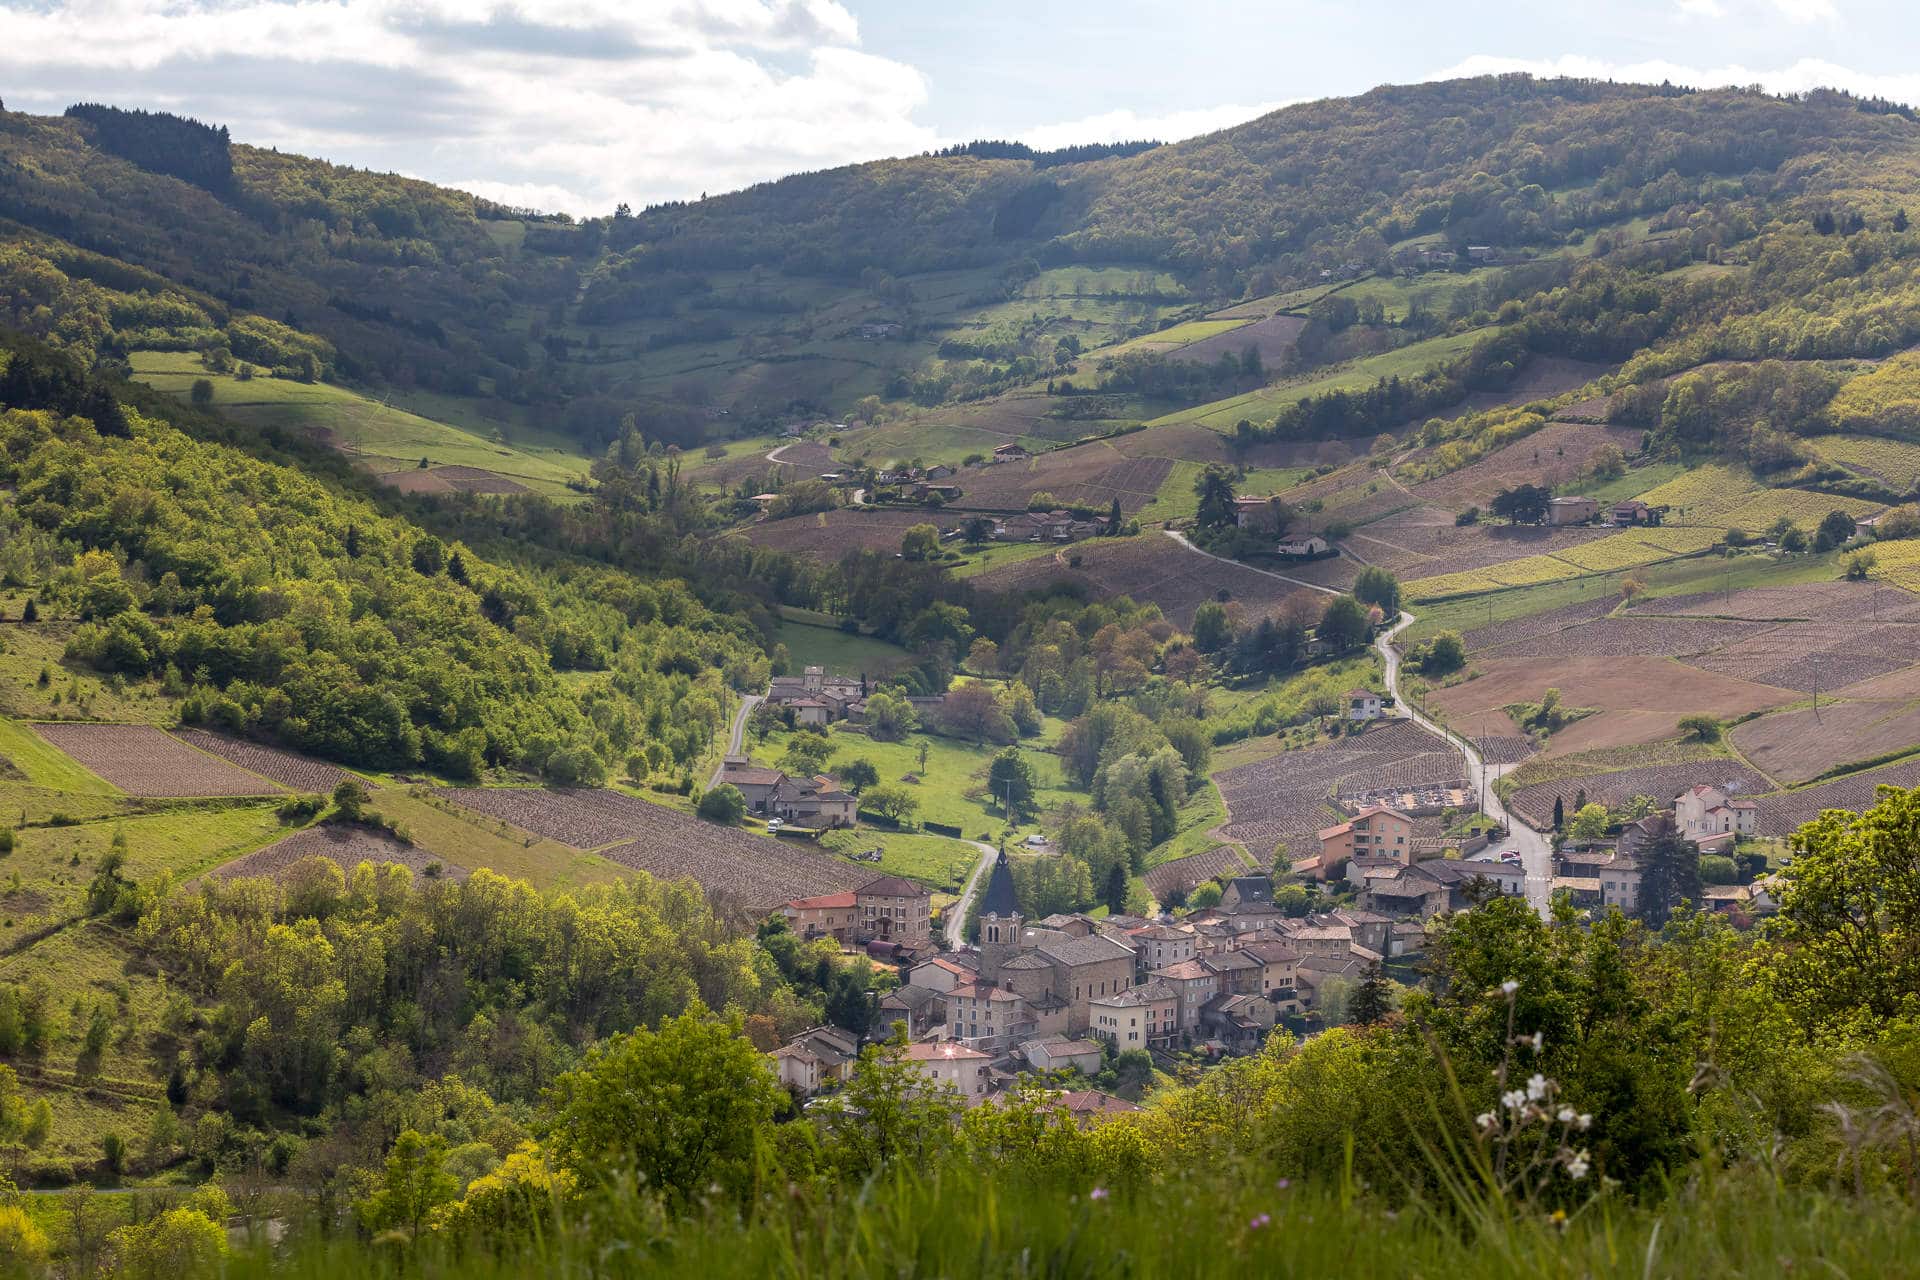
[(1794, 746), (1192, 442), (144, 761), (811, 456), (478, 480), (831, 534), (1806, 602), (756, 871), (302, 773), (1272, 337), (1505, 748), (1090, 475), (1552, 456), (1183, 875), (1782, 815), (1424, 541), (1662, 781), (1641, 699), (1285, 797), (1534, 626), (1816, 655), (1150, 567), (348, 846), (415, 481), (1631, 637)]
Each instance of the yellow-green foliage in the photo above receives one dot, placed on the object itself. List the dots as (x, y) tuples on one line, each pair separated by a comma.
[(1895, 461), (1885, 400), (1700, 495), (1898, 563), (1627, 550), (1805, 509)]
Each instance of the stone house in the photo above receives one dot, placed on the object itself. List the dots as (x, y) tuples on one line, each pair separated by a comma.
[(1375, 832), (1303, 547), (989, 1019), (1246, 891), (1572, 510), (1142, 1017), (895, 910), (1364, 705), (1057, 1053), (1193, 984), (816, 1058), (1259, 515), (921, 1008), (830, 915), (1160, 945), (1240, 1022), (951, 1066), (1700, 813)]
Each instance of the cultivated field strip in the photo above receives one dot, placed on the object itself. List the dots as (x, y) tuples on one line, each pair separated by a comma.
[(1149, 568), (144, 761), (1285, 797), (302, 773), (1783, 814), (347, 846), (1182, 875), (755, 870)]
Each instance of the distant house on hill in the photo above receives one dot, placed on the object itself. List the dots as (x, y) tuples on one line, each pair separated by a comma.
[(1634, 512), (1572, 510), (1014, 452), (1364, 704), (1304, 546), (1260, 515)]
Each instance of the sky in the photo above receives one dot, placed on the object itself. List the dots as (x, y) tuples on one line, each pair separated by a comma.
[(578, 105)]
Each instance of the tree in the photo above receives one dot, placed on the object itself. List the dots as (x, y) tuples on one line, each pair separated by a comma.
[(684, 1110), (983, 657), (201, 393), (1116, 889), (179, 1244), (429, 556), (1559, 814), (1669, 874), (1344, 625), (977, 530), (1701, 727), (1017, 700), (1212, 630), (1589, 823), (724, 804), (412, 1183), (921, 542), (1376, 586), (1522, 504), (1012, 782), (1718, 868), (972, 711), (889, 1113), (1373, 1000), (891, 801), (890, 717), (1860, 566), (1215, 490), (857, 775), (1445, 654), (1836, 529), (350, 800), (806, 753), (1204, 896), (1116, 518)]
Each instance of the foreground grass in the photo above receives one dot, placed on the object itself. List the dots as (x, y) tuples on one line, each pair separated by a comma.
[(961, 1226)]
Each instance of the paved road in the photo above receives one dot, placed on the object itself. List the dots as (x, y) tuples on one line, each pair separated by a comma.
[(1536, 854), (956, 915), (737, 735), (1181, 538)]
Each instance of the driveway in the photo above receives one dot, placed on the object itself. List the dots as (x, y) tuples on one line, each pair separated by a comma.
[(737, 735), (956, 915)]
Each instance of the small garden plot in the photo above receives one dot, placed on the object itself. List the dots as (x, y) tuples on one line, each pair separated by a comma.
[(1181, 876), (1663, 782), (347, 846), (301, 773), (584, 818), (1785, 813), (1795, 746), (144, 761)]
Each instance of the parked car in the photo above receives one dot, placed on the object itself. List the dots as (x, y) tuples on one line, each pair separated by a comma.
[(1036, 841), (774, 824)]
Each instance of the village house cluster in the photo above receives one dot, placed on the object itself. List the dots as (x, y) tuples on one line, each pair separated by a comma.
[(1607, 873), (1068, 990)]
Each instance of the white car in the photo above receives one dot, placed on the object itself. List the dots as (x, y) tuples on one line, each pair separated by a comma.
[(774, 824), (1036, 842)]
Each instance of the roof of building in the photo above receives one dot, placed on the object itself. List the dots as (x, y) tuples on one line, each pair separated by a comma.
[(911, 996), (751, 775), (1000, 899), (1252, 888), (1027, 960), (1271, 952), (1579, 884), (1148, 992), (1224, 960), (942, 1050), (1186, 970), (953, 967), (1093, 949), (1163, 933), (1088, 1102), (892, 887), (1376, 810), (824, 902), (1362, 693), (1061, 1044), (1328, 833), (981, 991)]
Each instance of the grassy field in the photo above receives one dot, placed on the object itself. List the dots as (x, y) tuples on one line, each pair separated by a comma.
[(1178, 501), (997, 554), (810, 644), (1258, 406), (379, 435), (471, 841), (939, 862), (27, 651)]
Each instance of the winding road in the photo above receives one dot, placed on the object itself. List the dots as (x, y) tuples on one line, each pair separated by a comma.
[(737, 735), (1536, 854), (955, 917)]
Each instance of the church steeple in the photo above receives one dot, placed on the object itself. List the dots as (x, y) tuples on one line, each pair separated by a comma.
[(1000, 921), (1000, 899)]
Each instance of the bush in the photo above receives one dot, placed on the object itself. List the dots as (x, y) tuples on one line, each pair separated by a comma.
[(1701, 727), (1717, 868), (723, 804)]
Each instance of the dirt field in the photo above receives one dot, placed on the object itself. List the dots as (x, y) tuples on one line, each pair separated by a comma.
[(1552, 456), (830, 535), (1794, 746), (302, 773), (1151, 567), (1191, 442), (1273, 337), (1424, 541), (1662, 782), (1633, 637), (754, 871), (1284, 797), (348, 846), (144, 761), (1641, 698), (1534, 626), (1091, 475), (1184, 874), (1782, 815), (1806, 602), (1816, 655)]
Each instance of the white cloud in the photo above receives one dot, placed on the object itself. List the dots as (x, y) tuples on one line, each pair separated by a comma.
[(1807, 10), (560, 103), (1128, 126), (1798, 77), (1701, 9)]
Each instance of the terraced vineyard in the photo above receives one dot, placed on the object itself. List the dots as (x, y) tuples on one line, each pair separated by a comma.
[(287, 768), (144, 761), (1897, 462)]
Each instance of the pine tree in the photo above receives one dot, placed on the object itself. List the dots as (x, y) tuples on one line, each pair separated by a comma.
[(1559, 814), (1116, 894), (1373, 1001)]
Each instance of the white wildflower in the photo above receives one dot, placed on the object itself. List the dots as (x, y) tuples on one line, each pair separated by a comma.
[(1584, 1123), (1487, 1119), (1514, 1099), (1578, 1166), (1509, 987), (1566, 1115), (1536, 1087), (1538, 1039)]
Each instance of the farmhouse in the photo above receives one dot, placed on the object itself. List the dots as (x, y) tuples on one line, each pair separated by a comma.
[(1057, 1053), (813, 802), (920, 1008), (1013, 452), (755, 783), (815, 1058), (1364, 704), (829, 915), (1142, 1017), (1702, 813), (1303, 547), (1376, 832), (1572, 510), (1635, 512)]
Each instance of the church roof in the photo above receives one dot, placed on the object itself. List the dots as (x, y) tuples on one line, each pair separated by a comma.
[(1000, 899)]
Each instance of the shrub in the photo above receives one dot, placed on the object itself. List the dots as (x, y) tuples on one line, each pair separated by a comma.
[(723, 804)]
